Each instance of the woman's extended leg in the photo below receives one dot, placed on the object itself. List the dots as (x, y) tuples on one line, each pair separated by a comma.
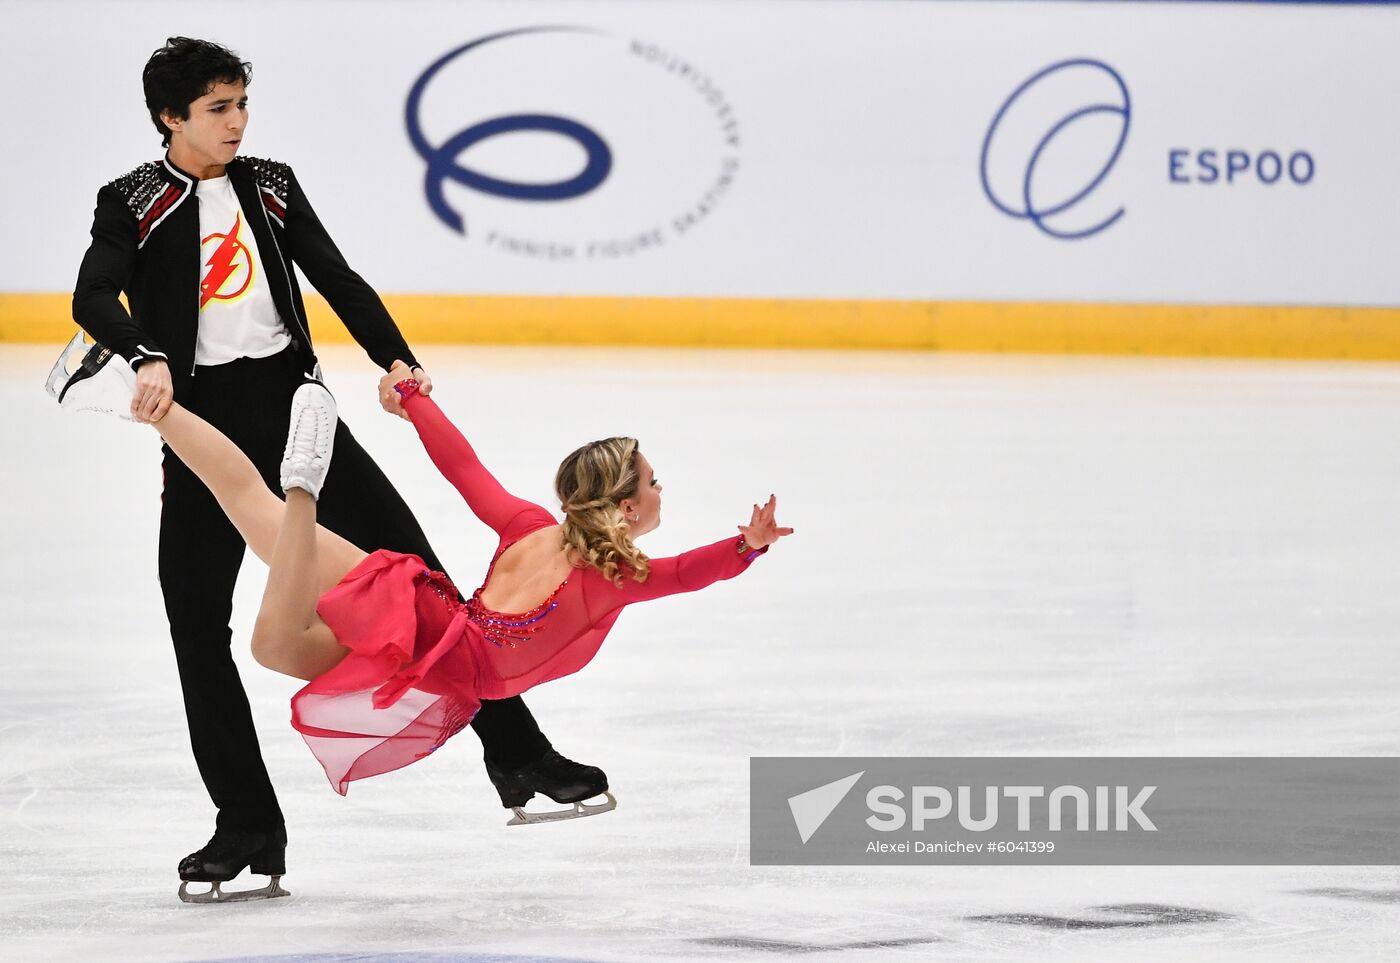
[(290, 637)]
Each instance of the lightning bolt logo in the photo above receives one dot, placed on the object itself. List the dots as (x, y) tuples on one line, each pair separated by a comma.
[(222, 267)]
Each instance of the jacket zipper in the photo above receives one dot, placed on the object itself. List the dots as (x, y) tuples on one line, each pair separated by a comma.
[(291, 294), (190, 188)]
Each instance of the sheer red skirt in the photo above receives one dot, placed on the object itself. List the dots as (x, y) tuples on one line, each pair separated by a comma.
[(410, 680)]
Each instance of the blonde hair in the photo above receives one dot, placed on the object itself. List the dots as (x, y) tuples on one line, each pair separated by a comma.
[(591, 483)]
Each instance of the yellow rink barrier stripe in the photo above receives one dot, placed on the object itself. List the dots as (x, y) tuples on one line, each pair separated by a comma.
[(1271, 331)]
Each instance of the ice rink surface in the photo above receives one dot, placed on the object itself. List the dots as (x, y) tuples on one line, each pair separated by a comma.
[(994, 556)]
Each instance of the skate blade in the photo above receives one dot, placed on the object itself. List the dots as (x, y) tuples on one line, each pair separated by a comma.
[(67, 365), (106, 388), (579, 810), (272, 890)]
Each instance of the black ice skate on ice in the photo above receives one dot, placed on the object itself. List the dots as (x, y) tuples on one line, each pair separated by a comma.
[(562, 780), (227, 855), (100, 380)]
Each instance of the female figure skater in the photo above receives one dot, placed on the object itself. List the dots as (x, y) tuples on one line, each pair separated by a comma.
[(395, 663)]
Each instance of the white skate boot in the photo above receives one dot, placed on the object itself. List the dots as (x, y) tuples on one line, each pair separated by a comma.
[(91, 377), (310, 438)]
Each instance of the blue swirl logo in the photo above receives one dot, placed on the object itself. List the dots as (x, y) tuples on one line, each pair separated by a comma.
[(443, 163), (1031, 205)]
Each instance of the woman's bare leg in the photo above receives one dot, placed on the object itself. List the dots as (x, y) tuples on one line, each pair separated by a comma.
[(290, 637)]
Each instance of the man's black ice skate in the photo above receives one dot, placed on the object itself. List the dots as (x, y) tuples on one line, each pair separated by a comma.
[(227, 855), (562, 780)]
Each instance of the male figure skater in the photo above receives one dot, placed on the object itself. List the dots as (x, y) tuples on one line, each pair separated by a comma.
[(203, 244)]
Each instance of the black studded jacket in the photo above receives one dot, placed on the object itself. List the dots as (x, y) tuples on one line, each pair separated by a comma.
[(145, 242)]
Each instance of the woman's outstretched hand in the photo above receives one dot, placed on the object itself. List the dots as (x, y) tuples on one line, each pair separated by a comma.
[(763, 529), (389, 399)]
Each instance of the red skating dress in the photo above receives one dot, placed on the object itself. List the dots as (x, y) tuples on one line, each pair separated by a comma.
[(420, 661)]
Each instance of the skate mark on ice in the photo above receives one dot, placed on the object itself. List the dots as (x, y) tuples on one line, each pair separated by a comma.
[(787, 946), (19, 810), (1138, 915), (1361, 895)]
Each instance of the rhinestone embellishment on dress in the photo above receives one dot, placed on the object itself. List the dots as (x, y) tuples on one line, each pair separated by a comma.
[(507, 629)]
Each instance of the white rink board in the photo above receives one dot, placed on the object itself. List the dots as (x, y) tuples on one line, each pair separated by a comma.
[(852, 135)]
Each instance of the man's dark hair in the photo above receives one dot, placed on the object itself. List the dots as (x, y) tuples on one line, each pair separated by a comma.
[(183, 71)]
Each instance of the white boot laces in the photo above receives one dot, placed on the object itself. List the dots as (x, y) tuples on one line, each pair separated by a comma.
[(308, 430)]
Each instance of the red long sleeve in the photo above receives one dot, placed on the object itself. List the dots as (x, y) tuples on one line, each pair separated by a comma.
[(688, 572), (457, 460)]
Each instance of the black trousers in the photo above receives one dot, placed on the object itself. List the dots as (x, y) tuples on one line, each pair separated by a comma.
[(200, 555)]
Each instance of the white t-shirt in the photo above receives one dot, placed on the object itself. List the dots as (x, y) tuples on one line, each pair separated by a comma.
[(237, 317)]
